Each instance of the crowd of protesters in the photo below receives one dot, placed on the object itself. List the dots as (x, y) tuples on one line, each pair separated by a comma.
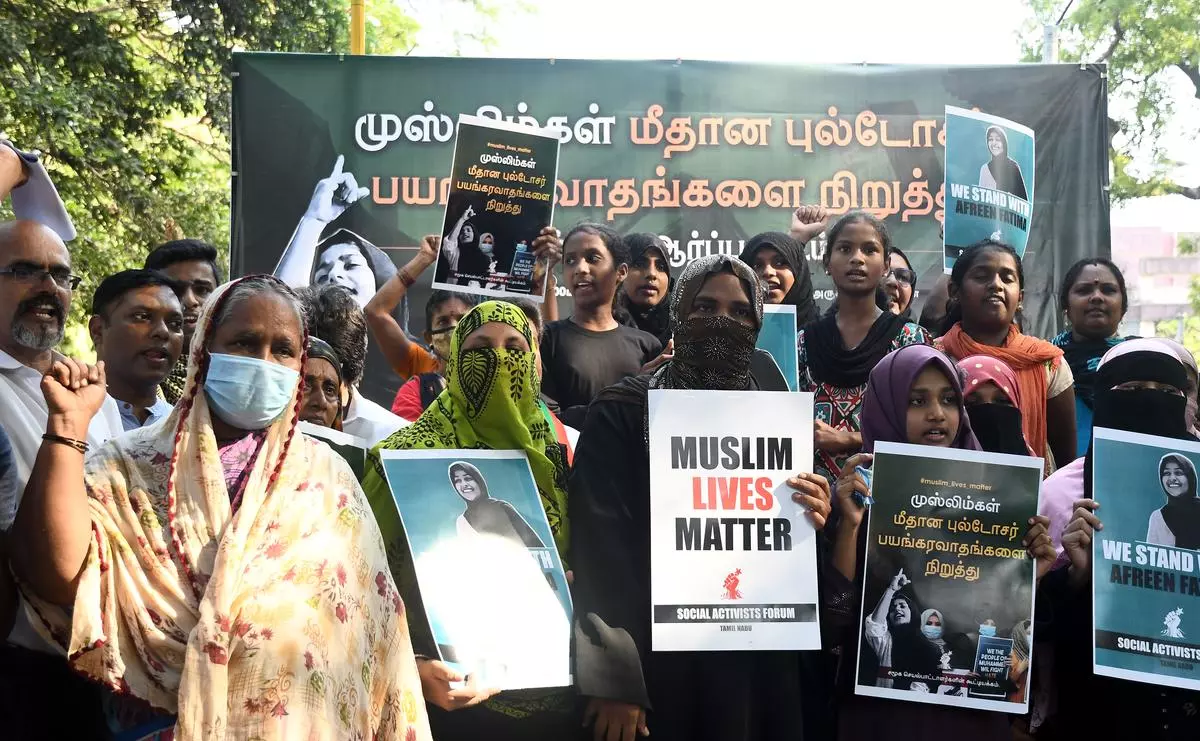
[(178, 560)]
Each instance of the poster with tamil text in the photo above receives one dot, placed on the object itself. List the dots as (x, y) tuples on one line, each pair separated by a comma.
[(733, 561), (501, 197), (947, 608)]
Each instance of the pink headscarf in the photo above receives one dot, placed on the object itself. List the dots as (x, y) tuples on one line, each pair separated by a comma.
[(983, 368)]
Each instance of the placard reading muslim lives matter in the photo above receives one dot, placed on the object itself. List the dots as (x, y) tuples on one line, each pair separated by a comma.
[(733, 562)]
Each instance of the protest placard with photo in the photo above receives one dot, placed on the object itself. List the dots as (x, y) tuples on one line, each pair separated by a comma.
[(989, 182), (353, 449), (947, 602), (501, 197), (778, 337), (489, 574), (733, 558), (1145, 561)]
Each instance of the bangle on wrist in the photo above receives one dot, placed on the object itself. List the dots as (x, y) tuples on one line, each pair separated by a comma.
[(406, 279), (70, 442)]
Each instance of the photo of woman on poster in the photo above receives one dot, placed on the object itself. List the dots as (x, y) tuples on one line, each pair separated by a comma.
[(487, 516), (1177, 523), (343, 257), (908, 644), (463, 255), (1001, 172)]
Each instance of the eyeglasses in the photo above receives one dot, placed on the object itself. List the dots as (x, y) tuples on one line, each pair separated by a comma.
[(32, 275), (903, 275)]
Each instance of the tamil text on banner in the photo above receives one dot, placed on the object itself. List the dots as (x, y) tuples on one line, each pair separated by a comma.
[(947, 608), (352, 449), (732, 558), (989, 182), (1145, 561), (489, 575), (778, 337), (501, 197), (704, 154)]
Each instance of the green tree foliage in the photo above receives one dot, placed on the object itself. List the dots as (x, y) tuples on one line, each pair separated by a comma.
[(128, 101), (1145, 44)]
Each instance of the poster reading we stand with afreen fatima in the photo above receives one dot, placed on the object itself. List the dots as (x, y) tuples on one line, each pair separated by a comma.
[(501, 197), (989, 182), (733, 561), (947, 609), (1145, 564)]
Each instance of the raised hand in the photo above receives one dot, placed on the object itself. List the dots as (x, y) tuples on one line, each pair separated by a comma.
[(334, 194), (899, 581), (808, 222), (74, 392), (548, 246)]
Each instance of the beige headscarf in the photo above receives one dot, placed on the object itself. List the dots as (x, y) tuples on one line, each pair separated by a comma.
[(279, 620)]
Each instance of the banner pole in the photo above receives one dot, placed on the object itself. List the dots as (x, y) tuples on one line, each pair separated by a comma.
[(358, 27)]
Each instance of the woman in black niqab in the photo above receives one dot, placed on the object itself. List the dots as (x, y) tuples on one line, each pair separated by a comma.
[(684, 696)]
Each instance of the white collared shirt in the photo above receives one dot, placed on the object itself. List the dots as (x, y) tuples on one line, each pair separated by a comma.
[(366, 419), (23, 415)]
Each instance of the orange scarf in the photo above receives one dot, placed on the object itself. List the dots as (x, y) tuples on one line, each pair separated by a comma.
[(1027, 356)]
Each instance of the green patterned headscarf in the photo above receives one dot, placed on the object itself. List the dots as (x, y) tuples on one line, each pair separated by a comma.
[(491, 402)]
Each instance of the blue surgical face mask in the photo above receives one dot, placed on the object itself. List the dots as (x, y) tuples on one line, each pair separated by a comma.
[(932, 632), (248, 393), (988, 631)]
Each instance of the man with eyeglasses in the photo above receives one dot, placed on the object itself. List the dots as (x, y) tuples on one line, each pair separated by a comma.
[(36, 287)]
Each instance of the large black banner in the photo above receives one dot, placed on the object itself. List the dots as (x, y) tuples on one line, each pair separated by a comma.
[(705, 154)]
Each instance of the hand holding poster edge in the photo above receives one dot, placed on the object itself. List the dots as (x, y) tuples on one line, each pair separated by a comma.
[(495, 283), (885, 453)]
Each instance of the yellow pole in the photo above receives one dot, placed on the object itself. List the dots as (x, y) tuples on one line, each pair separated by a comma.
[(358, 27)]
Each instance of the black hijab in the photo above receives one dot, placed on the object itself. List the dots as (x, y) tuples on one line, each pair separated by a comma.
[(998, 428), (1005, 171), (1182, 514), (830, 362), (657, 319), (801, 293), (712, 352), (488, 516), (1147, 411)]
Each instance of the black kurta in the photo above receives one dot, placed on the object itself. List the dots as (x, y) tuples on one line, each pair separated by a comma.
[(690, 696)]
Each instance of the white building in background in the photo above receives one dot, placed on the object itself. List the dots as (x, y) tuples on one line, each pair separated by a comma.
[(1159, 279), (1145, 244)]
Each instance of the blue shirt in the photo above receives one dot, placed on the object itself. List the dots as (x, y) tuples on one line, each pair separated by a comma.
[(130, 421)]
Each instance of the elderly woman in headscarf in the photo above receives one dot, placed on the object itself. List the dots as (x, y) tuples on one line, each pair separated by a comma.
[(215, 564), (914, 395), (321, 403), (1139, 388), (716, 309), (490, 401)]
